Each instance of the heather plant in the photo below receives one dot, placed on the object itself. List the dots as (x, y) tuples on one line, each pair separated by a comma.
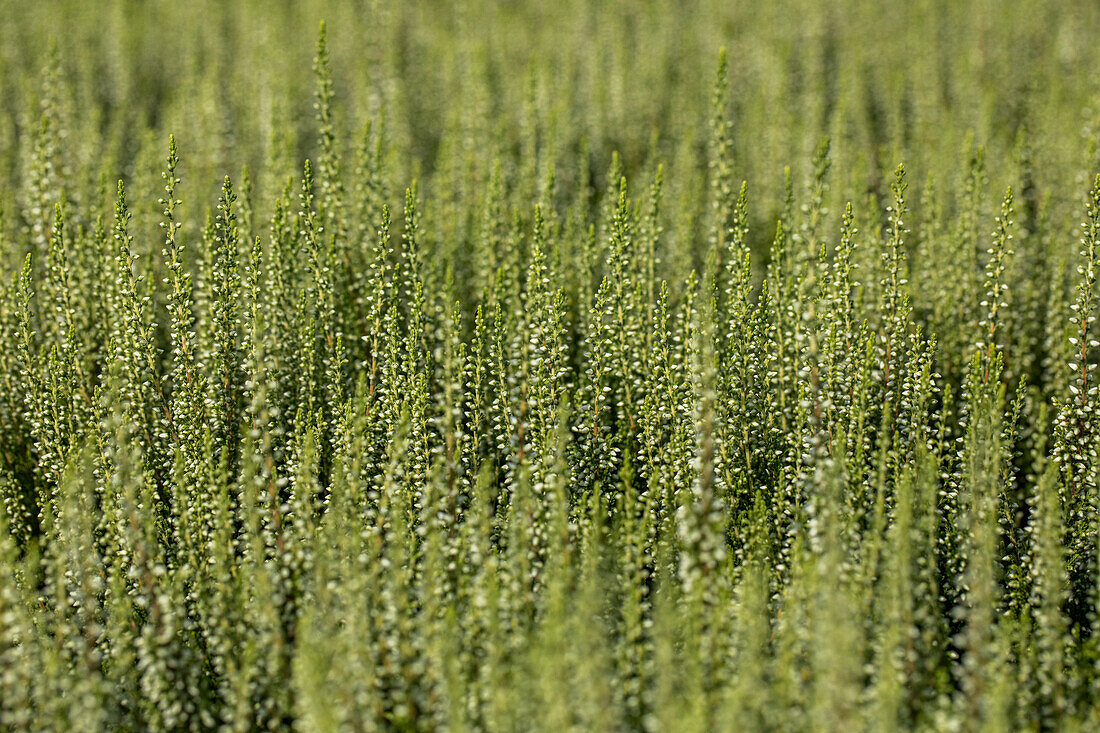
[(582, 365)]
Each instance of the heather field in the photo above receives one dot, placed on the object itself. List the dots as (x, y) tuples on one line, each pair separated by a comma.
[(580, 365)]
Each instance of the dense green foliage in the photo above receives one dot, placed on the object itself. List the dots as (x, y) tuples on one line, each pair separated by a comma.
[(481, 394)]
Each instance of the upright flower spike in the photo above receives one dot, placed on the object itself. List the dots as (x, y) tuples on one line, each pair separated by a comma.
[(331, 207), (321, 354), (839, 317), (224, 396), (721, 210), (995, 302), (816, 209), (31, 403), (417, 365), (546, 348), (377, 307), (366, 201), (60, 409), (135, 349), (45, 179), (190, 502), (962, 286), (22, 671), (735, 279), (623, 314), (651, 231), (177, 278), (895, 296), (980, 583), (1050, 586), (1076, 426), (702, 522), (279, 288)]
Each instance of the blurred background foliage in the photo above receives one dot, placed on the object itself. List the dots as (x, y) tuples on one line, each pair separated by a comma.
[(463, 84)]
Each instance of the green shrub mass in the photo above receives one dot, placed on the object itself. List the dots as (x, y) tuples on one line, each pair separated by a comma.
[(437, 371)]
